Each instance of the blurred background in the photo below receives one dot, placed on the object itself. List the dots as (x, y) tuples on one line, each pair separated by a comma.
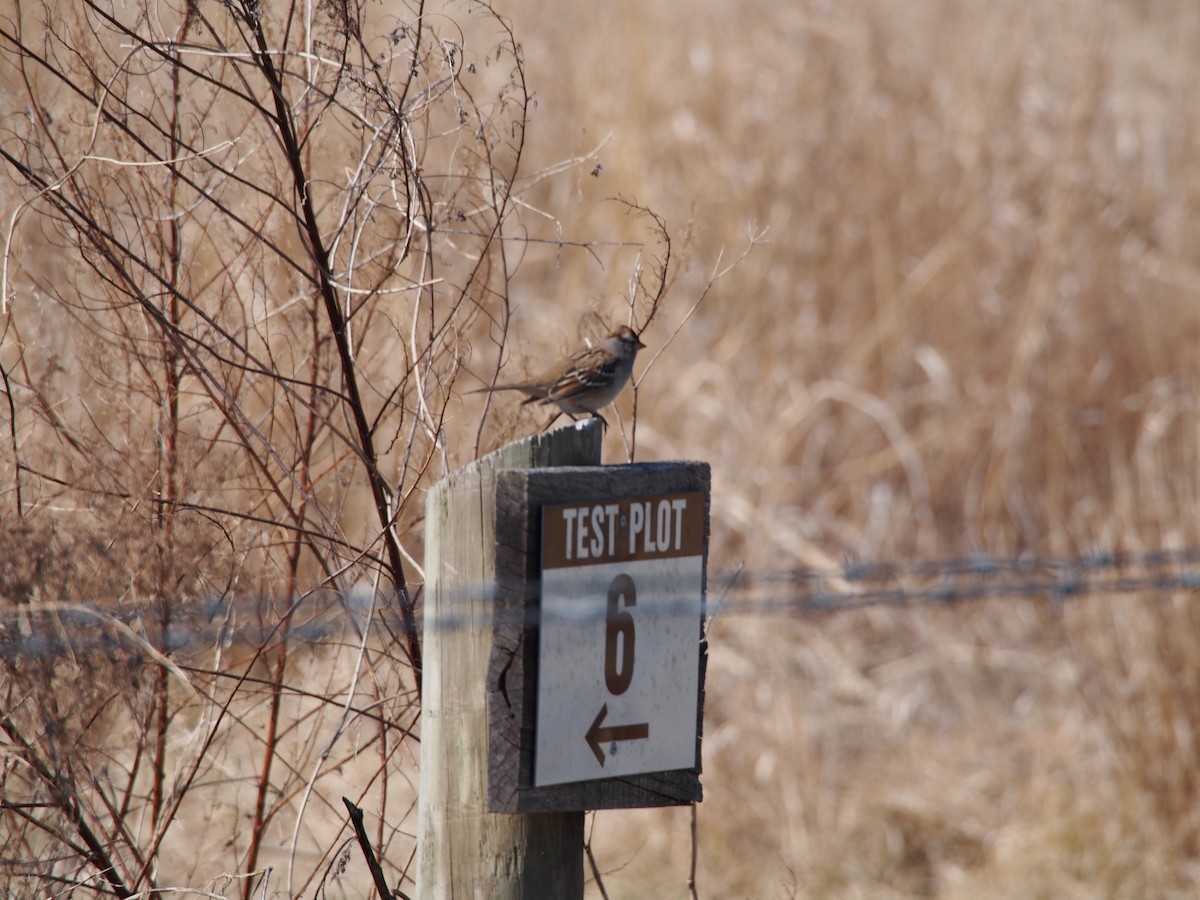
[(970, 328), (956, 319)]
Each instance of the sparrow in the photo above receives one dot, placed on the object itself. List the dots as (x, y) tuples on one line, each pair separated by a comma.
[(585, 381)]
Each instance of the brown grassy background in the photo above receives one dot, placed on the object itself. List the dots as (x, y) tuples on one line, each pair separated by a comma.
[(971, 327)]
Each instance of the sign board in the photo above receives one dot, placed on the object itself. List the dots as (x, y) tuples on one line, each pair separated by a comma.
[(596, 678), (619, 642)]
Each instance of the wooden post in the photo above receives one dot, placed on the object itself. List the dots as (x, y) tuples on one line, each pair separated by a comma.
[(463, 851)]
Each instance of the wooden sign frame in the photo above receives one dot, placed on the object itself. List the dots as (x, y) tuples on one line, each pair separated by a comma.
[(513, 665)]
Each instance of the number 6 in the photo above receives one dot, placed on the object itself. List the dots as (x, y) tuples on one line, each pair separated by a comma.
[(618, 671)]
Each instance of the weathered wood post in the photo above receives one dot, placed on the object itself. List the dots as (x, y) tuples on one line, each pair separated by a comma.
[(463, 850)]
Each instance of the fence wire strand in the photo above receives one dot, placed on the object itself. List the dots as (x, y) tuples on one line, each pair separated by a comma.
[(940, 582), (733, 592)]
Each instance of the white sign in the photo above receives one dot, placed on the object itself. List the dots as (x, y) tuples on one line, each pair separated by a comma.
[(619, 642)]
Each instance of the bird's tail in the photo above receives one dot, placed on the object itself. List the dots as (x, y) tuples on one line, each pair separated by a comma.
[(535, 391)]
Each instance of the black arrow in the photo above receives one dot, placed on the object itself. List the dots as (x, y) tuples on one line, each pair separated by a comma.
[(597, 734)]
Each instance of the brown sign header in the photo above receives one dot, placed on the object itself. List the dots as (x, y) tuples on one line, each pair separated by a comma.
[(591, 532)]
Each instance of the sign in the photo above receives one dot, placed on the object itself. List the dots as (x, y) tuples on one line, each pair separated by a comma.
[(619, 642), (595, 681)]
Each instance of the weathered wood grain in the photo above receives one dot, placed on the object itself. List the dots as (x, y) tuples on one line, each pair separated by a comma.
[(464, 851)]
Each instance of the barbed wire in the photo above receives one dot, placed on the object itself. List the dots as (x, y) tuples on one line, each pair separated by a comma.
[(945, 581), (789, 592)]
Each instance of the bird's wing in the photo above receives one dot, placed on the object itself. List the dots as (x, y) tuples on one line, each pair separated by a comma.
[(591, 369)]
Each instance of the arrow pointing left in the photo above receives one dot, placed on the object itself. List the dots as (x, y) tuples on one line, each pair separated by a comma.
[(599, 734)]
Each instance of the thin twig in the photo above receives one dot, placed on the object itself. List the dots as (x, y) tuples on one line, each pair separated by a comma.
[(364, 844)]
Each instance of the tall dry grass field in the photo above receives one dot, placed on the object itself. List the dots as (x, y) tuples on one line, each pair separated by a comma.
[(965, 322)]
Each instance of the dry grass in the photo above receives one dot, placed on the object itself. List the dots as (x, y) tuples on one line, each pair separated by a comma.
[(972, 328)]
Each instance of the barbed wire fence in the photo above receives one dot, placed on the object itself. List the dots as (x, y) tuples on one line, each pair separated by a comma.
[(732, 593), (948, 581)]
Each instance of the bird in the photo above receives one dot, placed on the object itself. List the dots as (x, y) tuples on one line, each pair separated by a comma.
[(585, 381)]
